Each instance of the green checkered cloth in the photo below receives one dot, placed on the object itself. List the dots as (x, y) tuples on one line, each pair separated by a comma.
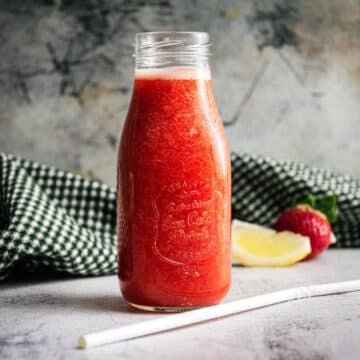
[(54, 219)]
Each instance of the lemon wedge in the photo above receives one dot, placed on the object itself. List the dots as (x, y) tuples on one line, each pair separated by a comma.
[(254, 245)]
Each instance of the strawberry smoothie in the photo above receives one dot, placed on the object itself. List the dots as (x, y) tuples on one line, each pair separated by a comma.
[(174, 194)]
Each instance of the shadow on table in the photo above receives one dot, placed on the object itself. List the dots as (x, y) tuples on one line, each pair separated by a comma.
[(21, 278), (87, 302), (96, 303), (51, 297)]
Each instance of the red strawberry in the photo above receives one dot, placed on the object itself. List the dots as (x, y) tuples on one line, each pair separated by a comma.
[(311, 218)]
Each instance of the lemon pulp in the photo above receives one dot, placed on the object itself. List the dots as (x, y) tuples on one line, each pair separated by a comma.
[(254, 245)]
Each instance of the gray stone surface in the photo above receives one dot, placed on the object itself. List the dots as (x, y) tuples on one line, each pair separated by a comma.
[(286, 76), (43, 319)]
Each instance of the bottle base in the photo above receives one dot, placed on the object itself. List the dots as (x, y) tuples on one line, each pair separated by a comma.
[(163, 309)]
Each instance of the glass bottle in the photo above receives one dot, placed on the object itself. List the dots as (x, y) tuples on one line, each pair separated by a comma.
[(174, 190)]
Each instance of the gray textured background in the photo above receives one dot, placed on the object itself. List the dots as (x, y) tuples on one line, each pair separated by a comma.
[(286, 76)]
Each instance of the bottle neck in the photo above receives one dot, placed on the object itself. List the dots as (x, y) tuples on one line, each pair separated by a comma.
[(172, 50)]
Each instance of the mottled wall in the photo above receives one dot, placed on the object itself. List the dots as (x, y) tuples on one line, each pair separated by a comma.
[(286, 76)]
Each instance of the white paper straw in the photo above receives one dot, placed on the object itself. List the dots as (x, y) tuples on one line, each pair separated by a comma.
[(169, 322)]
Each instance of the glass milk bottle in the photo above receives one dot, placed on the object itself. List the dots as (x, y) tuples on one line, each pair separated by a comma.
[(174, 191)]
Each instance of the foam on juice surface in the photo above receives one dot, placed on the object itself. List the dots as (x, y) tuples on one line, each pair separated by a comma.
[(174, 72)]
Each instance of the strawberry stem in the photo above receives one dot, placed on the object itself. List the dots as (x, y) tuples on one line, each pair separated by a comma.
[(325, 204)]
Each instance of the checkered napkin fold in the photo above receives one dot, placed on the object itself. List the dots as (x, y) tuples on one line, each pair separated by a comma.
[(55, 219)]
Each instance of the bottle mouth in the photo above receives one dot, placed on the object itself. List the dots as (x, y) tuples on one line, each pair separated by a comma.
[(172, 43)]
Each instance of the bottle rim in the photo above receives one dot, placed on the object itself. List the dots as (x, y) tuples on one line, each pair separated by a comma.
[(172, 43)]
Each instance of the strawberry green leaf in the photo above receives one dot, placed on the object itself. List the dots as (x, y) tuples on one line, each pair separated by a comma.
[(308, 200), (311, 200), (327, 205)]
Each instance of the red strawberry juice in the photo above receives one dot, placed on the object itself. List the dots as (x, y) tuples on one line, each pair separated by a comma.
[(174, 195)]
